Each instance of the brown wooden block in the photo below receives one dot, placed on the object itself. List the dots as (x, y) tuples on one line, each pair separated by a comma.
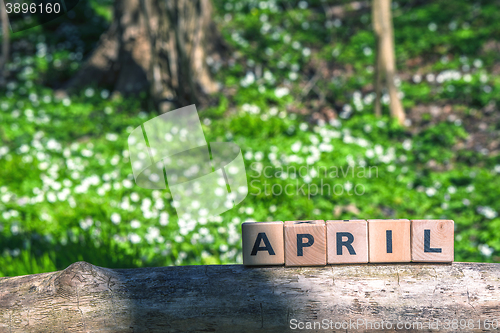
[(305, 243), (432, 240), (263, 243), (347, 241), (389, 241)]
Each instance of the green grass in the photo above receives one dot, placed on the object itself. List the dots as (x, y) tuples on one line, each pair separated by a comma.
[(66, 189)]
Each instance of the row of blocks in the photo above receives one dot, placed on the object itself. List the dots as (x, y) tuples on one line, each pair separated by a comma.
[(316, 243)]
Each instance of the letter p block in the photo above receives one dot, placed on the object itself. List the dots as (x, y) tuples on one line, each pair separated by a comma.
[(263, 243), (305, 243)]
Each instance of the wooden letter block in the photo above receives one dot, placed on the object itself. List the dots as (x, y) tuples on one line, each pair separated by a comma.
[(263, 243), (432, 240), (389, 240), (305, 243), (347, 241)]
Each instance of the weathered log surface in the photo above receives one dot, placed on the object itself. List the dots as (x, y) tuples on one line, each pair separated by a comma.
[(234, 298)]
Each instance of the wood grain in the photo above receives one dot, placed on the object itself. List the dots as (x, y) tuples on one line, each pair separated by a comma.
[(235, 298), (263, 243), (389, 241), (432, 240), (305, 243), (353, 236)]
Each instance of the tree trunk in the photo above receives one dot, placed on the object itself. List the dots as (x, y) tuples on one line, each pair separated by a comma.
[(157, 45), (234, 298), (386, 60), (4, 58)]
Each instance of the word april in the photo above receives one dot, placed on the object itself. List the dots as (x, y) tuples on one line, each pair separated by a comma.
[(318, 243)]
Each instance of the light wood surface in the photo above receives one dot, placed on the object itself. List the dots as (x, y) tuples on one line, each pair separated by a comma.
[(305, 243), (235, 298), (432, 240), (263, 243), (389, 241), (353, 245)]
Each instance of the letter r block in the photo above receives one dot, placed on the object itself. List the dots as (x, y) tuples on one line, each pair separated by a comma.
[(347, 241), (389, 240), (432, 240), (263, 243), (305, 243)]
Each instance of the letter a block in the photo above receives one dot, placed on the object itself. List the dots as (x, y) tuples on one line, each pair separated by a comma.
[(432, 240), (305, 243), (263, 243), (347, 241), (389, 240)]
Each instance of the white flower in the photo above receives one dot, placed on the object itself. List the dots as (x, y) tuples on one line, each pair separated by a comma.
[(134, 197), (430, 191), (89, 92), (407, 144), (164, 219), (134, 238), (116, 218), (127, 183), (43, 166), (281, 92), (487, 212), (248, 79), (135, 224), (111, 136), (296, 146), (485, 250)]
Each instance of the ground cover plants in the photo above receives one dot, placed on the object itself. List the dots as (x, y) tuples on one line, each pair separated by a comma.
[(297, 98)]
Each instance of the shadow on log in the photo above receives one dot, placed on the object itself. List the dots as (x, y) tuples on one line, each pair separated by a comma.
[(234, 298)]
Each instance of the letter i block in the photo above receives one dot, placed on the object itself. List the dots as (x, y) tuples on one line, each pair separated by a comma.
[(305, 243), (432, 240), (347, 241), (263, 243), (389, 240)]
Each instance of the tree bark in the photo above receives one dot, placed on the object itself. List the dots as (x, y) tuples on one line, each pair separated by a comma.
[(157, 45), (234, 298), (4, 59), (386, 60)]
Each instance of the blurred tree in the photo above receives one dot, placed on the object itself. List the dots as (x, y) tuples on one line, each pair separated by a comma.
[(157, 45), (385, 60), (5, 41)]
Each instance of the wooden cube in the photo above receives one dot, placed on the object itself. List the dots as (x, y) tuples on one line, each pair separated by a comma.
[(389, 241), (263, 243), (347, 241), (305, 243), (432, 240)]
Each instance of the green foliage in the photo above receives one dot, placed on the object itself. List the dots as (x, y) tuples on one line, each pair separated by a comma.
[(66, 188)]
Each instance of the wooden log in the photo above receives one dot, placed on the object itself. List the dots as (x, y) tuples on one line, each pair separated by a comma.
[(235, 298)]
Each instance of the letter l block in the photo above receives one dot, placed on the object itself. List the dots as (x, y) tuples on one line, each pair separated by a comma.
[(263, 243), (432, 240)]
